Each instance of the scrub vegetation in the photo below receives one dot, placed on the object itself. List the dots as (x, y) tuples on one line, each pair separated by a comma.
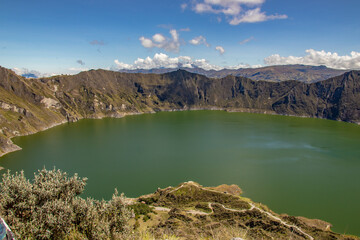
[(50, 207)]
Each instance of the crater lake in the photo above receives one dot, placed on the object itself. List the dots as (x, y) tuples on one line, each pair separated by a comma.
[(299, 166)]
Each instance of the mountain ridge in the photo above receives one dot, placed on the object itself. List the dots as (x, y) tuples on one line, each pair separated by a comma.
[(276, 73), (31, 105)]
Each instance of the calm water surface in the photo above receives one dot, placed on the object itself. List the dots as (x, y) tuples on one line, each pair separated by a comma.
[(307, 167)]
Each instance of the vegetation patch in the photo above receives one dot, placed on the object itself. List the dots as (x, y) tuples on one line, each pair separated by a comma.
[(191, 194), (49, 207), (203, 206), (141, 209)]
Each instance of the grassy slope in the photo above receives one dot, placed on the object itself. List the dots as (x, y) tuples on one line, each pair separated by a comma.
[(190, 211)]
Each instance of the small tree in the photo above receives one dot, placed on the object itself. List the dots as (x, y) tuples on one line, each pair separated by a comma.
[(49, 207)]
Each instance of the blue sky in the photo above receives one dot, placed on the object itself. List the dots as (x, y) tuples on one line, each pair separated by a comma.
[(68, 36)]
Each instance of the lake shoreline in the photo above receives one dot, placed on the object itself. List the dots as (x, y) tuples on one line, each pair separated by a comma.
[(11, 147)]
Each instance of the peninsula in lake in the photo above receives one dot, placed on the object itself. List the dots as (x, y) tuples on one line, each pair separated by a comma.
[(29, 105)]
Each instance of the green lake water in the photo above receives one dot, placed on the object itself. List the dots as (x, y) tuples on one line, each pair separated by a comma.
[(299, 166)]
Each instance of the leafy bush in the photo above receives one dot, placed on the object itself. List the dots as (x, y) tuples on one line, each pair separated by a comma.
[(49, 207), (141, 209)]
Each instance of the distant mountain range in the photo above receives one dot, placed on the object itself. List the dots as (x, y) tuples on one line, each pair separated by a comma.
[(29, 105), (279, 73)]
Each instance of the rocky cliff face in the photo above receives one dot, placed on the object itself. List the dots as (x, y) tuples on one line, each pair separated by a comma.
[(22, 108), (31, 105)]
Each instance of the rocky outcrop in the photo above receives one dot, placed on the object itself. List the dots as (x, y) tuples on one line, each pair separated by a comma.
[(21, 109), (50, 103)]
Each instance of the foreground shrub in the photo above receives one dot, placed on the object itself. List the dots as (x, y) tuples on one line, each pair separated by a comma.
[(49, 207)]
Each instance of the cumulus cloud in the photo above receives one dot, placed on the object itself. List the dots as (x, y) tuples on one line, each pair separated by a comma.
[(81, 62), (159, 38), (159, 41), (246, 40), (161, 60), (97, 42), (236, 11), (220, 49), (317, 58), (199, 40), (183, 6)]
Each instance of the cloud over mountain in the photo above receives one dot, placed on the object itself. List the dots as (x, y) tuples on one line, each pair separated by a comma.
[(161, 60), (313, 57)]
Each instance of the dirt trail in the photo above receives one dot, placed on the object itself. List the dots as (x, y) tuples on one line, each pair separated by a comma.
[(291, 226)]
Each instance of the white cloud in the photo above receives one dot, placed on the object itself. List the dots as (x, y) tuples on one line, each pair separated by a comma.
[(220, 49), (159, 41), (244, 66), (253, 16), (236, 11), (174, 35), (202, 7), (146, 42), (161, 60), (74, 70), (246, 40), (121, 65), (158, 38), (317, 58), (199, 40)]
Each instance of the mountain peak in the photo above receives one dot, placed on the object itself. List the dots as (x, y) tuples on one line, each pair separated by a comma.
[(181, 73)]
